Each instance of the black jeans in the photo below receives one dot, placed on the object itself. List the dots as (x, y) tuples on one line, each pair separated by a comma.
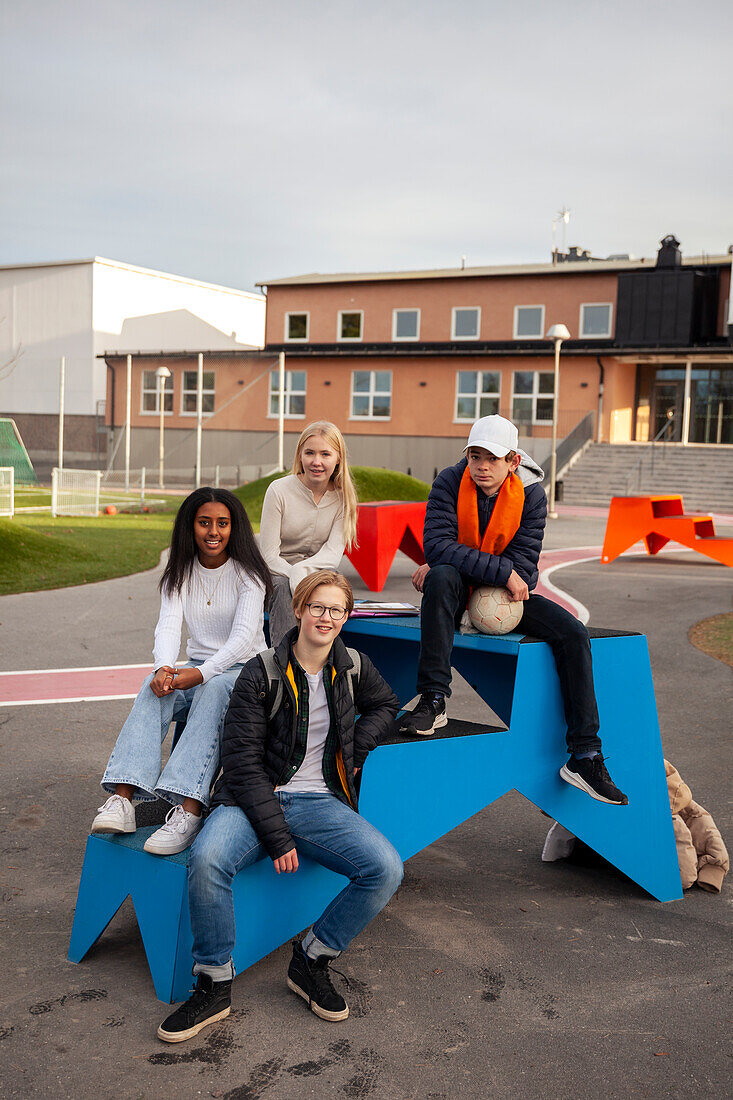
[(445, 596)]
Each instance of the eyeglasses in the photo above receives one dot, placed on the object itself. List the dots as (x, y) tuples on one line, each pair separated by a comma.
[(336, 613)]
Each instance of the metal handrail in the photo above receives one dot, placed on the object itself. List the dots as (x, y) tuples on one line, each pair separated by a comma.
[(649, 450), (573, 442)]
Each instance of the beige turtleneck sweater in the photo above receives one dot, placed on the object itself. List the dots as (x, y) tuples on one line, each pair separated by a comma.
[(298, 536)]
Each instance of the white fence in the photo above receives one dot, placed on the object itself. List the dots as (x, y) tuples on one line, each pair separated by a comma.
[(75, 492), (7, 490), (184, 477)]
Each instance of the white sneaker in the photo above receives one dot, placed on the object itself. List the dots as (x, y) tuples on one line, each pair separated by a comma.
[(559, 843), (178, 832), (116, 816)]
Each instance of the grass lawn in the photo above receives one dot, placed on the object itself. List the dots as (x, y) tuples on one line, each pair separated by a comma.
[(715, 637), (39, 552), (371, 483)]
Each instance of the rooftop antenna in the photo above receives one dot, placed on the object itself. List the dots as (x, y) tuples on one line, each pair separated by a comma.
[(564, 217)]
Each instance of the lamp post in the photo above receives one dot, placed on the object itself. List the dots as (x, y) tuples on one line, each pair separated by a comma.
[(62, 391), (161, 374), (558, 333), (281, 413), (199, 415)]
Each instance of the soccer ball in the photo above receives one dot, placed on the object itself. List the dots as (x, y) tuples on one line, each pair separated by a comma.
[(492, 612)]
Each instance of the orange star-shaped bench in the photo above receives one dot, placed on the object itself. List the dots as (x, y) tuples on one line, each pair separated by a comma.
[(659, 520)]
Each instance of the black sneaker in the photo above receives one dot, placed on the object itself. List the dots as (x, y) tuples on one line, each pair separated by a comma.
[(310, 979), (591, 775), (209, 1002), (429, 715)]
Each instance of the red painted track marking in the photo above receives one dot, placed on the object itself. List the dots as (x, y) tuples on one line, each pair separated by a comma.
[(67, 685)]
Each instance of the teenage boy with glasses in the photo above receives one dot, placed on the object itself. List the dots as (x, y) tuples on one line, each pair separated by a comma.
[(484, 525), (287, 789)]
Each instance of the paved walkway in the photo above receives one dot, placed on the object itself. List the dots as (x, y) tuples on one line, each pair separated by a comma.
[(489, 975)]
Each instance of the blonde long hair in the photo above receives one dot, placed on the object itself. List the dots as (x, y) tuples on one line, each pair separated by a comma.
[(341, 478)]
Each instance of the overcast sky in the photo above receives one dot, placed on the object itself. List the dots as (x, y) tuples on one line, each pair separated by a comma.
[(239, 141)]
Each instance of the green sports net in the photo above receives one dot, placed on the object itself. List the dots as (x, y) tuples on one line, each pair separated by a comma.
[(13, 453)]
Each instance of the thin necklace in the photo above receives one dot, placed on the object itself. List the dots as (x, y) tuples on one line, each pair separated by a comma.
[(209, 596)]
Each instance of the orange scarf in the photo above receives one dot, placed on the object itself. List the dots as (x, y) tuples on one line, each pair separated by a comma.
[(504, 521)]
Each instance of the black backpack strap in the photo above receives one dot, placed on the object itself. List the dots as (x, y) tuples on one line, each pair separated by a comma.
[(354, 673), (274, 682)]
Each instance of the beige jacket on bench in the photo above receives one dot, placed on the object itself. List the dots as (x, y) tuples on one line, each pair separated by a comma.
[(700, 849)]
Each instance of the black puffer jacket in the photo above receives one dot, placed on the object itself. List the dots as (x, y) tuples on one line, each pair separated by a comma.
[(256, 753), (440, 535)]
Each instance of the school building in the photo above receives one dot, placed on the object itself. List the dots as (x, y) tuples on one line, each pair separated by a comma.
[(404, 361)]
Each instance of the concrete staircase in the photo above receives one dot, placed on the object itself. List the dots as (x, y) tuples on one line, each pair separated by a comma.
[(703, 475)]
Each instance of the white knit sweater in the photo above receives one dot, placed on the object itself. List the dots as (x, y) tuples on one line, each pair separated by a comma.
[(227, 632), (298, 536)]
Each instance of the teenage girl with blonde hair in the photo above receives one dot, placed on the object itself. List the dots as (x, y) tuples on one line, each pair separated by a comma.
[(308, 518)]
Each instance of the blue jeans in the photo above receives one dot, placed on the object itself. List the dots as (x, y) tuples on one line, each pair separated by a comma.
[(445, 596), (194, 762), (325, 830)]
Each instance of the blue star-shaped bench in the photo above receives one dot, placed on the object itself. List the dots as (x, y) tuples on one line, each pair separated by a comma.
[(417, 791)]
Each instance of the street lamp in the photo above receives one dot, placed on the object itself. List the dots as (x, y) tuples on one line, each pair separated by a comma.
[(558, 333), (161, 374)]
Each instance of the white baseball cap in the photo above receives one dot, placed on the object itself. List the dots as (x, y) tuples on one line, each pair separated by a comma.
[(495, 434)]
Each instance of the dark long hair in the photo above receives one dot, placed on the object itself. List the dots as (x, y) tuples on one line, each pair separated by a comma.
[(241, 547)]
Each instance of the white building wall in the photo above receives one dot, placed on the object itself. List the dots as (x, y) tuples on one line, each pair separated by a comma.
[(82, 309), (135, 309), (127, 300), (46, 312)]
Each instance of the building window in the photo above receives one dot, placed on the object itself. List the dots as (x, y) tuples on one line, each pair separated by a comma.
[(371, 394), (466, 323), (296, 326), (294, 393), (595, 319), (188, 399), (150, 403), (529, 322), (477, 394), (532, 396), (405, 324), (350, 324)]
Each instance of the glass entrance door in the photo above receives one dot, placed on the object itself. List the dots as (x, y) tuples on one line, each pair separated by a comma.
[(711, 401), (667, 399)]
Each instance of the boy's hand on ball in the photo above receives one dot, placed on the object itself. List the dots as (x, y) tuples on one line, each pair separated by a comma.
[(516, 587)]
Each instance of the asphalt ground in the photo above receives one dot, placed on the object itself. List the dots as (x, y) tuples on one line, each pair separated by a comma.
[(490, 974)]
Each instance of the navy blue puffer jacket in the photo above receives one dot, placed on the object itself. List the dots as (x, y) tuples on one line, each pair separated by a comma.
[(440, 535)]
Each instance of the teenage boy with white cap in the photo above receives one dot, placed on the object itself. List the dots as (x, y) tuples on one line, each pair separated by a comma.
[(484, 525)]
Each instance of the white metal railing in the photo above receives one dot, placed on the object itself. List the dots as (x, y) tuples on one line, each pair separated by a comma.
[(7, 491), (184, 477), (649, 452)]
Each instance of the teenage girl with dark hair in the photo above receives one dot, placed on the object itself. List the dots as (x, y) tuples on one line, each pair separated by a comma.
[(216, 581)]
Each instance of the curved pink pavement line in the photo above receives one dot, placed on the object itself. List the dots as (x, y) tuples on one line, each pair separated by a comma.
[(34, 687), (551, 560)]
